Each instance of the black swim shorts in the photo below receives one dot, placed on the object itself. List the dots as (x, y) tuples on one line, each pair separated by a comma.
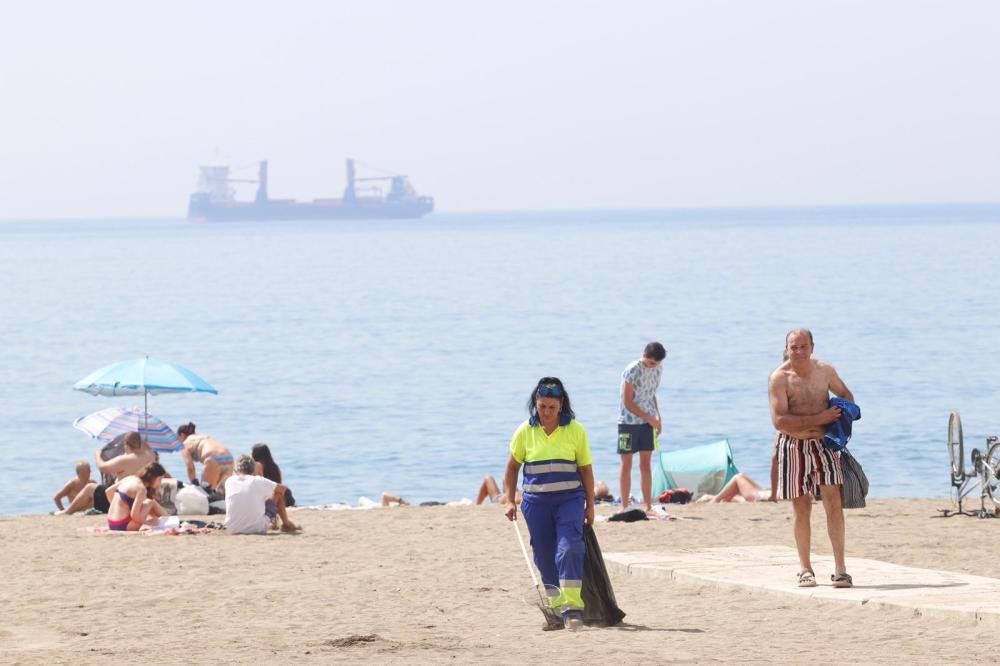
[(635, 438)]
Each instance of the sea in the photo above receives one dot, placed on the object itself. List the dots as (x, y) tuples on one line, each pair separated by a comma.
[(399, 355)]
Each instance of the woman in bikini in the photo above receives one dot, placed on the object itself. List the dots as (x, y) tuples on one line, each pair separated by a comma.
[(131, 499), (215, 458)]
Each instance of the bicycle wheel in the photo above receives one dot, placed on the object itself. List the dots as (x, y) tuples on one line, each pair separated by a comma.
[(991, 468), (956, 450)]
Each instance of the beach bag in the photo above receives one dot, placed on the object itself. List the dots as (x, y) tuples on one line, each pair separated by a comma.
[(167, 495), (855, 488), (600, 608), (191, 501)]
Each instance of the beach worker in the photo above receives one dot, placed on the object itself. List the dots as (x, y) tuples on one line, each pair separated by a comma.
[(265, 466), (740, 488), (135, 456), (798, 392), (558, 493), (216, 460), (73, 487), (639, 421), (246, 501), (130, 500)]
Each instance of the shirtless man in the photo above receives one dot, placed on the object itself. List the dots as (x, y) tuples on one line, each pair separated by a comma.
[(799, 392), (137, 455), (74, 485)]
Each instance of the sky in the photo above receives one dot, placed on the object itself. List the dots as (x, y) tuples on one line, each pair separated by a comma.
[(108, 108)]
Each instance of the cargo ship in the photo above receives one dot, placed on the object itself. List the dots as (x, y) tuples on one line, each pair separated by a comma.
[(216, 200)]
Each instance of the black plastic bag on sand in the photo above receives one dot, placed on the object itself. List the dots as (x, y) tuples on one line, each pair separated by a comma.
[(599, 605)]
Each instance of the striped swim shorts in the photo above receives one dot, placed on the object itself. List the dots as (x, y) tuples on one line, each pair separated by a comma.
[(804, 465)]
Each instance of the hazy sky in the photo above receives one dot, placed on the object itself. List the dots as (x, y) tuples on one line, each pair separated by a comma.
[(107, 108)]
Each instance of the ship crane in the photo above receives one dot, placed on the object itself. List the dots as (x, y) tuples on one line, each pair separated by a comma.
[(400, 187)]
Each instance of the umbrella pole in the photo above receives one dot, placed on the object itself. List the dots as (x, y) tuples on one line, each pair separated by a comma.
[(145, 415)]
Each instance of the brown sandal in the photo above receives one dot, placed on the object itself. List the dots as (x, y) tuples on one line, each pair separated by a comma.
[(842, 580), (807, 579)]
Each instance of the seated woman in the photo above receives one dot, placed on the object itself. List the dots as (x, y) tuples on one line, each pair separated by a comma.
[(215, 458), (131, 503), (265, 466), (741, 488)]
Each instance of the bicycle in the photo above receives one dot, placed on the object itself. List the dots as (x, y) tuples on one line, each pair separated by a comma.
[(985, 473)]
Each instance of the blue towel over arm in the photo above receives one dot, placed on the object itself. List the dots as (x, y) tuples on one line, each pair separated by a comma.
[(838, 433)]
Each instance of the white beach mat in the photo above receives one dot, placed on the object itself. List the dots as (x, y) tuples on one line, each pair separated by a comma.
[(773, 569)]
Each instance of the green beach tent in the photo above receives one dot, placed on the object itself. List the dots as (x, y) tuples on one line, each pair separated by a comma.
[(701, 469)]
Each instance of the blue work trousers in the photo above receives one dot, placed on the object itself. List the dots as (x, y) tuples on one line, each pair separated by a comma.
[(555, 522)]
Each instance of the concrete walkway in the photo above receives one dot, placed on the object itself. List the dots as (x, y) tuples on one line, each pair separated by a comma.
[(925, 592)]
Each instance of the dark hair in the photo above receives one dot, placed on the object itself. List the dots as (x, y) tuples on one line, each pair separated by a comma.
[(185, 430), (262, 454), (655, 351), (150, 473), (565, 410)]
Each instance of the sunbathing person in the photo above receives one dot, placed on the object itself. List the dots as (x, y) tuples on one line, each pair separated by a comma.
[(741, 488), (602, 493), (489, 489), (131, 503), (215, 458), (137, 455), (73, 487)]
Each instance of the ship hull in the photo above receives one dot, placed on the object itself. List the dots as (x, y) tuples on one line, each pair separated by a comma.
[(278, 211)]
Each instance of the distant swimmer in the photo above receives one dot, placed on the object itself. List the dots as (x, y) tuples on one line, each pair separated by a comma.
[(799, 392)]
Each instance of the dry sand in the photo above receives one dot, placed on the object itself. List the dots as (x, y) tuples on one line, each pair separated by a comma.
[(445, 585)]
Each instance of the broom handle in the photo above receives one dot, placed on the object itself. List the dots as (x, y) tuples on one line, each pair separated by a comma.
[(520, 540)]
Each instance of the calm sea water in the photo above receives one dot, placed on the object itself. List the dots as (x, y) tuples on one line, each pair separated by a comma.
[(398, 355)]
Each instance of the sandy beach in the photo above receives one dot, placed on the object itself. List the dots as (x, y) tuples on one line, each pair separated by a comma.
[(445, 585)]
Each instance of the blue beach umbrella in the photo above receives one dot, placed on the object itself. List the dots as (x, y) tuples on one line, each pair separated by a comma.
[(109, 423), (143, 376)]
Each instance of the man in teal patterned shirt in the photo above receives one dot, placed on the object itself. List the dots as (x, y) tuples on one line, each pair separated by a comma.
[(639, 420)]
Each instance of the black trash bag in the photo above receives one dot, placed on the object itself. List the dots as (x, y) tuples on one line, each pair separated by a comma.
[(599, 605)]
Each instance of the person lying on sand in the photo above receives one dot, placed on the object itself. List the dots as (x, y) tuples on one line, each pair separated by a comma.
[(73, 487), (741, 488), (246, 501), (489, 489), (388, 499)]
